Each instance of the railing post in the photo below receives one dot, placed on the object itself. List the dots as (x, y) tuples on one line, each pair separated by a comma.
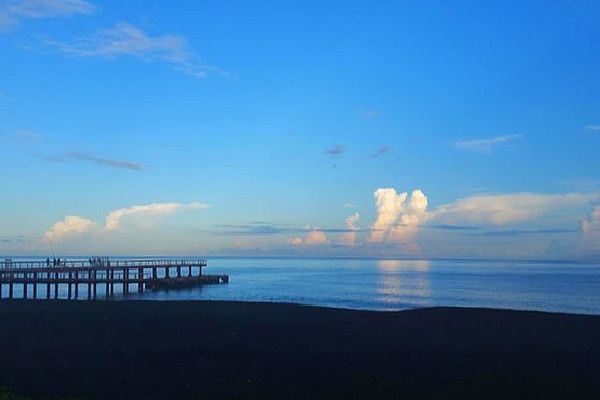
[(126, 280), (106, 281), (112, 281), (140, 279), (56, 285), (70, 287), (25, 285), (34, 285), (89, 279), (95, 283), (76, 284)]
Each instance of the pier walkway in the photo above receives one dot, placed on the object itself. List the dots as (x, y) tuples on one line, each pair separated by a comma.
[(35, 278)]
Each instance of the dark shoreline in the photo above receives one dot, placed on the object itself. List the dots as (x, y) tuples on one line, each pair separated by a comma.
[(211, 350)]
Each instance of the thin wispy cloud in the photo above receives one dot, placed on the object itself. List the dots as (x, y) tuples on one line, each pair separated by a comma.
[(484, 145), (370, 114), (127, 40), (335, 151), (5, 97), (270, 230), (25, 134), (12, 239), (593, 128), (75, 155), (21, 136), (381, 151), (450, 227), (522, 232), (12, 12), (90, 158)]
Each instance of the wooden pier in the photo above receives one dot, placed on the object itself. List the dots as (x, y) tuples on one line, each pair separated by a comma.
[(44, 278)]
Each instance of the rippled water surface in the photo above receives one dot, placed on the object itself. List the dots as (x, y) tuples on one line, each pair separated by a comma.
[(403, 284), (400, 284)]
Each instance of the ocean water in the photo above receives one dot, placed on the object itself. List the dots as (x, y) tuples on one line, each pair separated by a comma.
[(399, 284)]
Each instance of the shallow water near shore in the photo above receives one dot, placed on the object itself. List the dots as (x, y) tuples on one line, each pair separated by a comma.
[(398, 284)]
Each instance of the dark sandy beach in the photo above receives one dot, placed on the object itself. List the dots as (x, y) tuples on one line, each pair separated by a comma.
[(216, 350)]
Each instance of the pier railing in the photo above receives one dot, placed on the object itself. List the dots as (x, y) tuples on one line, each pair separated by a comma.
[(143, 274), (11, 264)]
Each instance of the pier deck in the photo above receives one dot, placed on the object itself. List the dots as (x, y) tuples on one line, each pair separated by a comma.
[(43, 277)]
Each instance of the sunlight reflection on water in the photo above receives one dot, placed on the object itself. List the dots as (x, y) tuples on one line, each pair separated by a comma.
[(400, 280)]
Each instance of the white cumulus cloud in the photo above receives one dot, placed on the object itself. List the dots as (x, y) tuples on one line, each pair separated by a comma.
[(115, 218), (398, 215), (314, 237), (71, 225)]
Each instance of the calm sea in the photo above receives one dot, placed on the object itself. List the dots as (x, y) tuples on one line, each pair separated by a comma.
[(400, 284)]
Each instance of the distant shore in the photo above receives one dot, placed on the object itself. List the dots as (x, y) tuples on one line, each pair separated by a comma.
[(223, 350)]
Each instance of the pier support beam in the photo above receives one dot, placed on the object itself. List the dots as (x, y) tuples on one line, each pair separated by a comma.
[(35, 285), (69, 291), (126, 281), (95, 283), (56, 285), (112, 282), (106, 288), (140, 277)]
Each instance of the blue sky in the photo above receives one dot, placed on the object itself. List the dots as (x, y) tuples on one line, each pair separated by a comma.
[(417, 129)]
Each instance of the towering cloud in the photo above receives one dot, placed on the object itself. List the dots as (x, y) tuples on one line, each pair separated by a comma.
[(398, 215), (349, 238)]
